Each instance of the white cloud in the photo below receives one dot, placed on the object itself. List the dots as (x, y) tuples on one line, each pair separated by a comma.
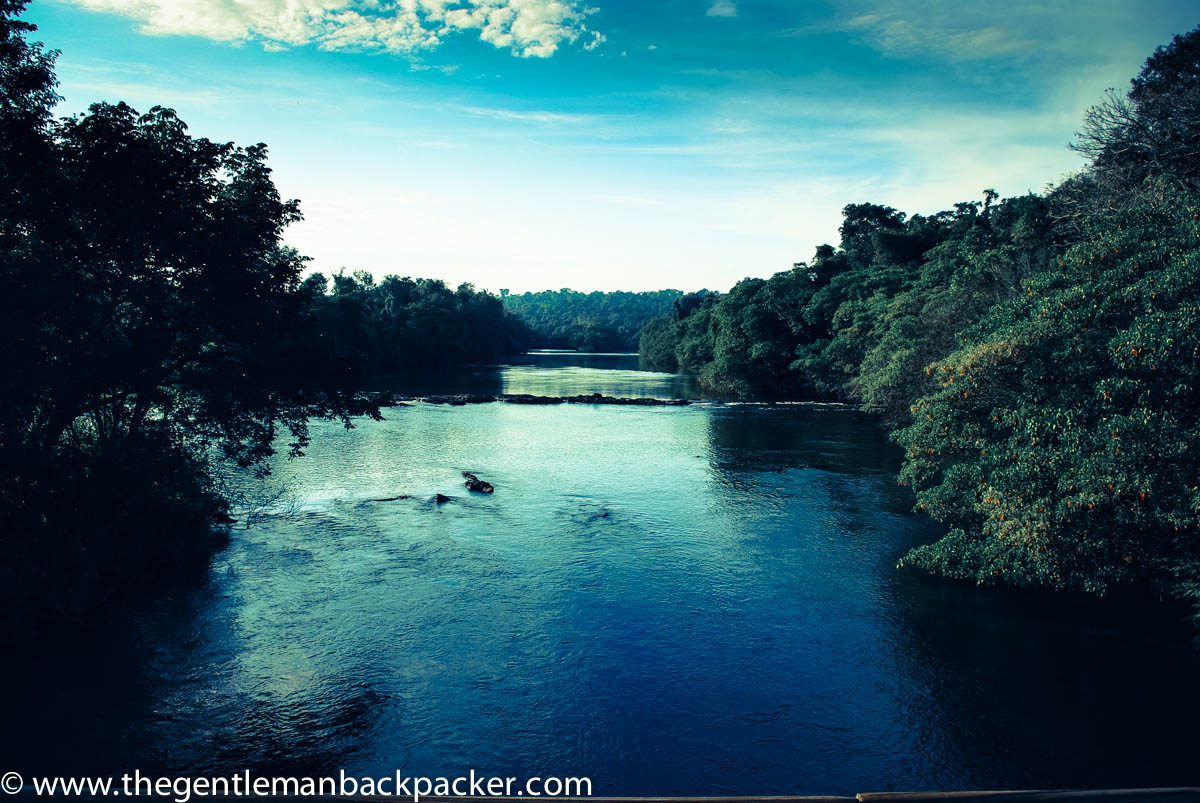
[(529, 28), (722, 8)]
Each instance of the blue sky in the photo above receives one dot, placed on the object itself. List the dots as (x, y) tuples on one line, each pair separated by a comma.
[(532, 144)]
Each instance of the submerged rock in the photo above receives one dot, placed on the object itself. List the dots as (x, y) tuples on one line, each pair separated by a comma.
[(441, 498), (391, 498), (473, 483)]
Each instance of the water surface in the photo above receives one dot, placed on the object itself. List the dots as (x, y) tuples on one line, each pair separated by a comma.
[(553, 372), (696, 600)]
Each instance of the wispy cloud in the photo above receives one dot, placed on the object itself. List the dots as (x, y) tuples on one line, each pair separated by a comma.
[(722, 8), (528, 28), (895, 34)]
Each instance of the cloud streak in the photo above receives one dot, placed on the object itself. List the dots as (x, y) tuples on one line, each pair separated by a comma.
[(552, 118), (527, 28), (894, 34)]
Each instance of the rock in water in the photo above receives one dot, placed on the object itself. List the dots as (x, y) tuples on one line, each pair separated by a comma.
[(590, 398), (473, 483), (525, 398), (440, 498), (458, 400)]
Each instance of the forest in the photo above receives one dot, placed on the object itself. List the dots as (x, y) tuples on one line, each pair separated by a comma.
[(596, 321), (400, 325), (1036, 357)]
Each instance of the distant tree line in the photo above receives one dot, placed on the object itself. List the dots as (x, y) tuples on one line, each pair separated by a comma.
[(1036, 357), (567, 319), (399, 325)]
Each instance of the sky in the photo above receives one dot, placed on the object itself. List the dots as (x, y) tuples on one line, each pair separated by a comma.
[(612, 144)]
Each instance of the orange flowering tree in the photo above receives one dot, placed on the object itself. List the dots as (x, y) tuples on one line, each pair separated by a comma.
[(1059, 442)]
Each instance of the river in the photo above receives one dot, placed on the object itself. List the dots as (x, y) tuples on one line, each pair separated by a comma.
[(696, 600)]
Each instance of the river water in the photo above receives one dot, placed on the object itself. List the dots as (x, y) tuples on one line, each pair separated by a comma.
[(697, 600)]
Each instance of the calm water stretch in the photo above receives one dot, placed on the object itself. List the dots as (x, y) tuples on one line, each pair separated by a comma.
[(694, 600)]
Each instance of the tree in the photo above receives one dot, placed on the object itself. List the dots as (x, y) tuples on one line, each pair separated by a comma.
[(1153, 130), (974, 268), (27, 98), (656, 344), (589, 321), (1058, 442), (399, 325), (152, 323), (159, 291)]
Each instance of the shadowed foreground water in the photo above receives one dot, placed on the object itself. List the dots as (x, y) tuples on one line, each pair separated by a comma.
[(694, 600)]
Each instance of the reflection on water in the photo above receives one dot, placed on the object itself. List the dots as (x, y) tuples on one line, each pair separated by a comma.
[(559, 373), (690, 600)]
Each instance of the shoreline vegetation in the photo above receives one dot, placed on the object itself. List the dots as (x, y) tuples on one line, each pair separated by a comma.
[(1035, 357)]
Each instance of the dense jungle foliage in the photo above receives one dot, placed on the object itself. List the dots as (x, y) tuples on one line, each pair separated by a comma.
[(1037, 357), (399, 325), (567, 319)]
